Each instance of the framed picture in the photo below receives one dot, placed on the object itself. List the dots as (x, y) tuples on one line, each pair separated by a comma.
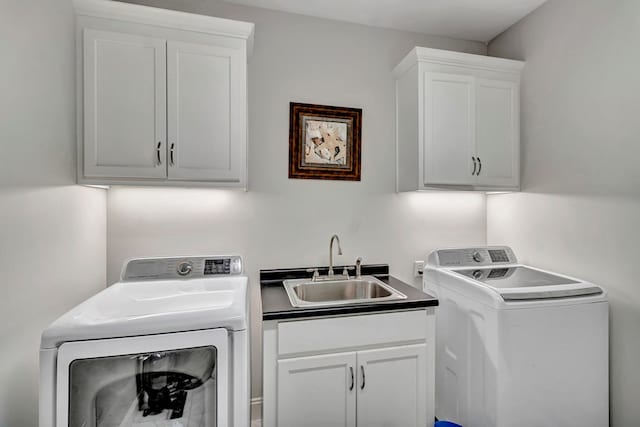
[(324, 142)]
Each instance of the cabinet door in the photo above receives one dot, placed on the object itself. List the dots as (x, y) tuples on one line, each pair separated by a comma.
[(207, 113), (392, 387), (124, 105), (497, 133), (317, 391), (448, 129)]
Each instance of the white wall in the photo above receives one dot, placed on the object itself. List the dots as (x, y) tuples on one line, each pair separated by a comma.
[(52, 233), (579, 211), (287, 223)]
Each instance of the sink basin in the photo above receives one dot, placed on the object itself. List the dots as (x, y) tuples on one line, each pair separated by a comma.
[(305, 293)]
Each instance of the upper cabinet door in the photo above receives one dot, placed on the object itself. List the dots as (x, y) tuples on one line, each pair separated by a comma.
[(206, 113), (497, 133), (124, 105), (392, 387), (317, 391), (448, 129)]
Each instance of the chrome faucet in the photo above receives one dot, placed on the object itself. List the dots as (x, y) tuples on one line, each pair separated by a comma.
[(334, 237), (358, 267)]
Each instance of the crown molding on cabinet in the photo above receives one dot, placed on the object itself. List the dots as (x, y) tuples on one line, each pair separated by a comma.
[(109, 9), (468, 60)]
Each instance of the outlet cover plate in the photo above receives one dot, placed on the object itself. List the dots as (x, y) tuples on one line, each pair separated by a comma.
[(418, 268)]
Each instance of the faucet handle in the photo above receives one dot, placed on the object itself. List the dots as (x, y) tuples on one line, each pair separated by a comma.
[(358, 267), (346, 270), (315, 272)]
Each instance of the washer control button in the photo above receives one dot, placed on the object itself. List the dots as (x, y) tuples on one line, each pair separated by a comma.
[(236, 266), (184, 268), (477, 257)]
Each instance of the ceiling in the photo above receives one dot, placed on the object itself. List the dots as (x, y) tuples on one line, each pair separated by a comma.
[(479, 20)]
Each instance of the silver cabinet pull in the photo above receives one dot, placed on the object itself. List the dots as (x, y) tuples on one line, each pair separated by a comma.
[(480, 168), (158, 152), (353, 381), (475, 165), (171, 154), (363, 382)]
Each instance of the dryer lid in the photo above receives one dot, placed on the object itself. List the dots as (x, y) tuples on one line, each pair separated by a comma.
[(154, 307)]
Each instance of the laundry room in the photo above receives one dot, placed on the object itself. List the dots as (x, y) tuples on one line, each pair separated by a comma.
[(251, 213)]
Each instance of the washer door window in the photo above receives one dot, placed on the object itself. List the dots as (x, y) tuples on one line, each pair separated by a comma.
[(160, 380)]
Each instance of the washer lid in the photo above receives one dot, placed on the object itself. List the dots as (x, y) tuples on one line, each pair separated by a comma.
[(518, 283), (154, 307)]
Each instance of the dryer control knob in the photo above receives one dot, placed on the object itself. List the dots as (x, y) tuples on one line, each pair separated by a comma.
[(184, 268), (477, 257)]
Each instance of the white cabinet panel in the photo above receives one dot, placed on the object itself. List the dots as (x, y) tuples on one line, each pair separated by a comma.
[(311, 385), (467, 112), (497, 109), (304, 336), (162, 97), (124, 105), (317, 391), (449, 126), (206, 110), (392, 387)]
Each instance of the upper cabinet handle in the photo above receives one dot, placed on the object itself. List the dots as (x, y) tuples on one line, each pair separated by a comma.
[(353, 381), (171, 154), (480, 168), (475, 165), (158, 152)]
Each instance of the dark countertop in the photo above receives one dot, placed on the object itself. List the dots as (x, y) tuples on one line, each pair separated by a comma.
[(276, 304)]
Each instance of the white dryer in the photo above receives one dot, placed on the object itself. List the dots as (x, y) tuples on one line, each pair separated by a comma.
[(516, 345), (166, 346)]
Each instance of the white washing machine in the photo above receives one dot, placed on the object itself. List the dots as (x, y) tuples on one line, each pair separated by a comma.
[(516, 345), (166, 346)]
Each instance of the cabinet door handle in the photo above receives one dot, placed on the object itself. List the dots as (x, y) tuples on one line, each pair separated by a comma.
[(171, 154), (158, 152), (475, 165), (353, 380), (480, 168), (363, 382)]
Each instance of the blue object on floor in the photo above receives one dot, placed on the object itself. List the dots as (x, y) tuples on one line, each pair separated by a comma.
[(446, 424)]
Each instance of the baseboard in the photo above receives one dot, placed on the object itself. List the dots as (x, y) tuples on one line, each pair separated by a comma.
[(256, 408)]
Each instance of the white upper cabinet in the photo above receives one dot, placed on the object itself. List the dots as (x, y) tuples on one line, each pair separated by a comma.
[(457, 121), (448, 128), (162, 98), (124, 105), (497, 133), (205, 118)]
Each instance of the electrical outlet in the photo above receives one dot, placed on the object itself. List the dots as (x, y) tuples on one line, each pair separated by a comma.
[(418, 268)]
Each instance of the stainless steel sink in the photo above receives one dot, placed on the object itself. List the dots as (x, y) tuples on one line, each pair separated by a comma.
[(307, 293)]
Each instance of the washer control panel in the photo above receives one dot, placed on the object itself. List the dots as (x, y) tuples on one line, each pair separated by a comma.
[(470, 257), (221, 266), (181, 268)]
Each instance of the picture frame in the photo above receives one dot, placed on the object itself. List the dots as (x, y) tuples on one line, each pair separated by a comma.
[(324, 142)]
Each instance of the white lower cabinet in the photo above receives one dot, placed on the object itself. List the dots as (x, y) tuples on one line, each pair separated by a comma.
[(392, 387), (327, 379), (341, 374)]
